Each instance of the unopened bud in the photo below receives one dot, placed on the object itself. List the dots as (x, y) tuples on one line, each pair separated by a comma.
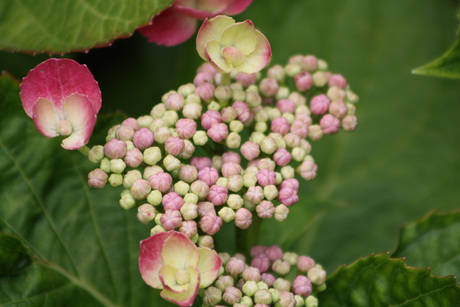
[(97, 178), (96, 154), (146, 213)]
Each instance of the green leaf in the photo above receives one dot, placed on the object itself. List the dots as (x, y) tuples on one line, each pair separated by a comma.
[(61, 26), (432, 241), (447, 66), (382, 281), (14, 255), (84, 246)]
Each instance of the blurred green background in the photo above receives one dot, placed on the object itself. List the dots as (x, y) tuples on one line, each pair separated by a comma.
[(401, 163)]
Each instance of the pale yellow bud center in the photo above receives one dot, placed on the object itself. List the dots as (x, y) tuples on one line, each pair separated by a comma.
[(64, 128), (182, 277), (233, 55)]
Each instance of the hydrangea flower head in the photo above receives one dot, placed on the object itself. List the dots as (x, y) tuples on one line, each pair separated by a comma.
[(172, 262), (62, 98), (227, 44)]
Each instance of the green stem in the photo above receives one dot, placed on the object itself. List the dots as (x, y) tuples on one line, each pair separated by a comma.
[(84, 150), (225, 79), (248, 238)]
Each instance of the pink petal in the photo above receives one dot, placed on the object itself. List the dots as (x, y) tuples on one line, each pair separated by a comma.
[(79, 112), (179, 251), (183, 298), (237, 7), (150, 260), (45, 117), (56, 79), (209, 266), (258, 59), (211, 29), (169, 28)]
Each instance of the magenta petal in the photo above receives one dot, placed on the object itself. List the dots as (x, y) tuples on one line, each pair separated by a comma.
[(150, 260), (56, 79), (201, 9), (237, 7), (169, 28)]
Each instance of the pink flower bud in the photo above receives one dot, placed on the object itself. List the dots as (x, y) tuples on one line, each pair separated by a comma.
[(189, 228), (282, 157), (257, 250), (140, 189), (172, 201), (274, 252), (131, 122), (246, 79), (218, 195), (228, 114), (266, 177), (243, 218), (232, 295), (231, 156), (205, 207), (210, 118), (235, 183), (302, 286), (188, 173), (218, 132), (305, 263), (206, 67), (174, 145), (203, 77), (250, 150), (161, 181), (143, 138), (185, 128), (288, 196), (303, 81), (255, 194), (124, 133), (171, 219), (349, 123), (337, 80), (338, 109), (329, 124), (231, 168), (210, 223), (292, 140), (251, 273), (268, 278), (174, 102), (209, 175), (235, 266), (281, 267), (261, 262), (242, 110), (265, 209), (319, 104), (200, 188), (115, 149), (308, 170), (134, 158), (205, 91), (281, 212), (97, 178), (286, 299), (200, 162), (146, 213), (290, 183), (268, 87), (309, 63), (192, 110), (280, 125), (299, 128), (285, 106)]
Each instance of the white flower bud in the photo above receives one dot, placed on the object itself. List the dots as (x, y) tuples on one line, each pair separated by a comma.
[(154, 198), (200, 138), (261, 127), (236, 126), (146, 213), (157, 229), (181, 188), (152, 155), (226, 214), (96, 154), (171, 163), (298, 154), (235, 201), (233, 140), (116, 180), (145, 121), (191, 198), (117, 166), (130, 177), (214, 105), (105, 165), (127, 201), (170, 117), (287, 172), (270, 192), (257, 137)]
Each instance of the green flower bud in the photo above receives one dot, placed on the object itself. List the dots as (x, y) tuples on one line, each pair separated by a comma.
[(212, 296), (193, 98), (262, 285), (235, 201), (186, 89), (96, 154), (261, 115), (116, 180), (189, 211), (291, 258), (224, 281), (191, 198), (158, 111), (352, 97), (130, 177), (298, 154), (248, 204), (171, 163), (282, 284), (283, 93), (281, 212), (302, 110), (157, 229), (214, 105), (253, 99), (216, 162), (206, 241), (151, 170), (292, 69), (245, 301), (273, 113), (320, 78), (263, 296), (279, 178), (152, 155), (127, 201), (299, 301), (351, 109), (227, 214), (322, 65), (117, 166), (257, 137), (171, 118), (222, 181), (275, 294), (311, 301), (279, 140), (251, 170), (267, 164), (105, 165), (317, 275), (181, 188), (261, 127), (290, 117), (154, 198), (315, 132), (236, 126), (250, 288), (233, 140), (249, 180), (200, 138), (157, 124), (145, 121)]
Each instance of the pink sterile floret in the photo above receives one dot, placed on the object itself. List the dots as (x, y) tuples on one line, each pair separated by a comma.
[(280, 125), (218, 195), (218, 132), (172, 201), (329, 124), (266, 177), (186, 128), (281, 157), (62, 98), (143, 138), (209, 175), (210, 118), (286, 106), (161, 181), (319, 104)]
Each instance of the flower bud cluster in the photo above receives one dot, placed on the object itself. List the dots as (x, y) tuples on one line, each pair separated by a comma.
[(272, 278), (217, 151)]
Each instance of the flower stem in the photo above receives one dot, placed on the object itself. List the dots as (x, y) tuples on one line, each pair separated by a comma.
[(84, 150), (247, 238)]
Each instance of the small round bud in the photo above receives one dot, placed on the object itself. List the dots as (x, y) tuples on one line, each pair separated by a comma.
[(268, 145), (303, 81), (130, 177), (235, 266), (243, 218), (140, 189), (218, 132), (230, 168), (152, 155), (143, 138), (174, 101), (349, 123), (200, 188), (261, 262), (281, 212), (154, 198), (157, 229), (171, 219), (192, 110), (280, 125), (96, 154), (146, 213), (218, 195), (224, 281), (250, 287), (200, 138), (235, 201), (315, 132), (311, 301), (329, 124), (269, 280), (171, 163), (265, 209), (308, 170), (127, 201), (250, 150), (189, 211), (97, 178), (317, 275), (232, 295), (205, 91), (263, 296), (115, 149), (281, 267), (116, 180), (233, 140), (319, 104), (302, 286), (282, 285), (305, 264), (174, 145), (227, 214), (200, 162), (210, 223), (189, 228), (117, 166), (270, 192), (161, 181), (209, 175), (268, 87), (172, 201), (276, 72), (320, 78), (212, 296), (235, 183), (255, 194), (186, 128)]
